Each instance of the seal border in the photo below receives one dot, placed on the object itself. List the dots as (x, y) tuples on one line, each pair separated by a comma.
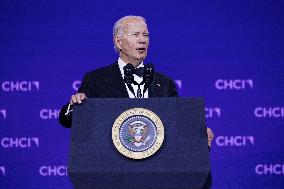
[(138, 112)]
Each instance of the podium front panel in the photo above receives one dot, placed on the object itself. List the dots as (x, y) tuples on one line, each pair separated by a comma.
[(181, 162)]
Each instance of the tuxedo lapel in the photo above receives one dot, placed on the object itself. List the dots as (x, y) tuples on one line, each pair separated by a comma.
[(155, 87), (115, 82)]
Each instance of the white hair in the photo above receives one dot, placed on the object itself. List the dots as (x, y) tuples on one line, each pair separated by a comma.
[(119, 27)]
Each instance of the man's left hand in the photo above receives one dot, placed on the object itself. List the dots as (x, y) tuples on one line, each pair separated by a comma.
[(210, 136)]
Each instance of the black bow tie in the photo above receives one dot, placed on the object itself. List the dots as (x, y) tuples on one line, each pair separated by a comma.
[(139, 71)]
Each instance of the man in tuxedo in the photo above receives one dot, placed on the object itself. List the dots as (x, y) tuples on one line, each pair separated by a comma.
[(131, 42)]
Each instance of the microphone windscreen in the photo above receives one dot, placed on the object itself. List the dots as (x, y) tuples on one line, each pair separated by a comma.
[(128, 73), (148, 73), (128, 68)]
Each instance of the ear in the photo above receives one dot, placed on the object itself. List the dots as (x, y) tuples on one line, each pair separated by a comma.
[(117, 41)]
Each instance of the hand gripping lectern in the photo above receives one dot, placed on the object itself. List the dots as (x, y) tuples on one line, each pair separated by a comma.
[(179, 160)]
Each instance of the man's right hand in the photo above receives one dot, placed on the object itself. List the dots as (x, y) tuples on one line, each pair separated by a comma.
[(77, 98)]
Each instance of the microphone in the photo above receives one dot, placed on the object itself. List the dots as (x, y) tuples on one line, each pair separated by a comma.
[(148, 73), (148, 76), (128, 74)]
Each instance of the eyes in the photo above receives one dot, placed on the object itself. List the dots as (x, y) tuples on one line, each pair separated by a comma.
[(137, 34)]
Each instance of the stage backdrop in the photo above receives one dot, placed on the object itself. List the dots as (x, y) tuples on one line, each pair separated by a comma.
[(229, 52)]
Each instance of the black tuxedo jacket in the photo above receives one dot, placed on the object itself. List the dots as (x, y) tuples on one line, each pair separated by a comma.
[(107, 82)]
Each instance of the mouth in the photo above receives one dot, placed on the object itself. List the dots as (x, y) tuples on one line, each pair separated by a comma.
[(141, 50)]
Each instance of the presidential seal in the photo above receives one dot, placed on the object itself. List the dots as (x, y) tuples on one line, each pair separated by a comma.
[(138, 133)]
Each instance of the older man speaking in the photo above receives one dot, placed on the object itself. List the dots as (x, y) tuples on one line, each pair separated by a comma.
[(131, 41)]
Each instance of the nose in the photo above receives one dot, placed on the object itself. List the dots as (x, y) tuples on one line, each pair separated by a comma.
[(142, 39)]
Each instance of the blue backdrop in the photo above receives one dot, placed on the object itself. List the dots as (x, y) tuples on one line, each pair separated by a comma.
[(229, 52)]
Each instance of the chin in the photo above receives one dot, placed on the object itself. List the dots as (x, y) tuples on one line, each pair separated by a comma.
[(141, 57)]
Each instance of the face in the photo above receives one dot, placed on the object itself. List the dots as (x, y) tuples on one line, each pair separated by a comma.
[(134, 43)]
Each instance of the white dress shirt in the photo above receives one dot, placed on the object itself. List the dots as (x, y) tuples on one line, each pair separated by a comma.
[(138, 79)]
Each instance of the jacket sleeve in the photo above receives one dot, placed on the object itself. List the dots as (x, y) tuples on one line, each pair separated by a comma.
[(65, 120), (86, 87)]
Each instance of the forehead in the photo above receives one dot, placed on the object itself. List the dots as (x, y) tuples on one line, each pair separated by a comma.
[(135, 25)]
